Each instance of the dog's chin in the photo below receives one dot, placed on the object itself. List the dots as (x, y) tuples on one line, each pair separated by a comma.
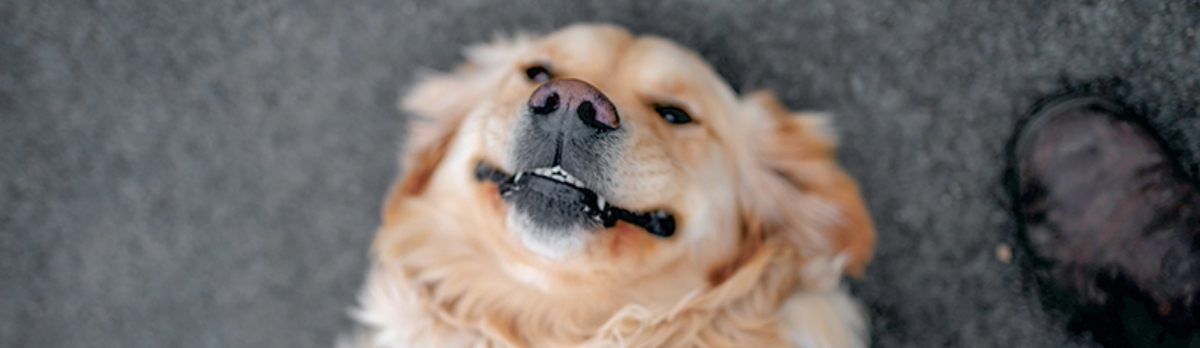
[(552, 218), (551, 242)]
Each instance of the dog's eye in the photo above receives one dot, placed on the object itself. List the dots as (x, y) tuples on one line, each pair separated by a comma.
[(672, 115), (537, 73)]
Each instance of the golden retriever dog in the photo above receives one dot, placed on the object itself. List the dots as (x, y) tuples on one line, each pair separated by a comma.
[(593, 188)]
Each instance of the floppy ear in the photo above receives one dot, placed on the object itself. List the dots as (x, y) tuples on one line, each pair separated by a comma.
[(797, 188), (418, 166), (436, 107), (440, 99)]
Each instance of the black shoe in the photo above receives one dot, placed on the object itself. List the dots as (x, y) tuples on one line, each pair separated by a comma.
[(1113, 220)]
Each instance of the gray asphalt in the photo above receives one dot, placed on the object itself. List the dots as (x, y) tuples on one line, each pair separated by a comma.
[(208, 173)]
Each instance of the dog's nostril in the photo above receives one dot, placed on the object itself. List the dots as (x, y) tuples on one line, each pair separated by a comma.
[(549, 104), (586, 111), (598, 119)]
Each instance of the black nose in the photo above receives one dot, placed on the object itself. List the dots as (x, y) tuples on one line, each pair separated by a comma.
[(579, 98)]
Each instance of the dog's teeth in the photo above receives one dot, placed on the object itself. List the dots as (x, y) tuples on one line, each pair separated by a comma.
[(601, 203), (557, 173)]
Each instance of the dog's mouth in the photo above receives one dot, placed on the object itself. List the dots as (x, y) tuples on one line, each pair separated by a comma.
[(560, 200)]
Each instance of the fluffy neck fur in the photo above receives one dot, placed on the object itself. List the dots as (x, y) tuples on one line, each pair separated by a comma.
[(440, 285)]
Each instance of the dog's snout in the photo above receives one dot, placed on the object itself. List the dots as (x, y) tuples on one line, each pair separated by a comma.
[(577, 98)]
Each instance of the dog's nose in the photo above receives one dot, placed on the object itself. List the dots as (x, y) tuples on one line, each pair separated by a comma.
[(578, 98)]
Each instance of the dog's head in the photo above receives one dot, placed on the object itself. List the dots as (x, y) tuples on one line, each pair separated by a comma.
[(602, 155)]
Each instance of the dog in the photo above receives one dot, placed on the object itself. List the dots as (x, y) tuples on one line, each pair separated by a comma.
[(593, 188)]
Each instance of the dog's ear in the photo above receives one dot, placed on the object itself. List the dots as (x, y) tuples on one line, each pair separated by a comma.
[(418, 165), (796, 187), (444, 98), (436, 107)]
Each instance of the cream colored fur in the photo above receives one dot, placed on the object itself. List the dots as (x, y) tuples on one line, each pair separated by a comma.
[(768, 221)]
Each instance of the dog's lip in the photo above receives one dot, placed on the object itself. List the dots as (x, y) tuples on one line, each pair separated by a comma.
[(556, 173), (657, 222), (562, 176)]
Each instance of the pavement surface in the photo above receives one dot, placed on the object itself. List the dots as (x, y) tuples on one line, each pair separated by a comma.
[(209, 173)]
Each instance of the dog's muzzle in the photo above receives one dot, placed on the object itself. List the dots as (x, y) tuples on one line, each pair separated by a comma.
[(569, 199)]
